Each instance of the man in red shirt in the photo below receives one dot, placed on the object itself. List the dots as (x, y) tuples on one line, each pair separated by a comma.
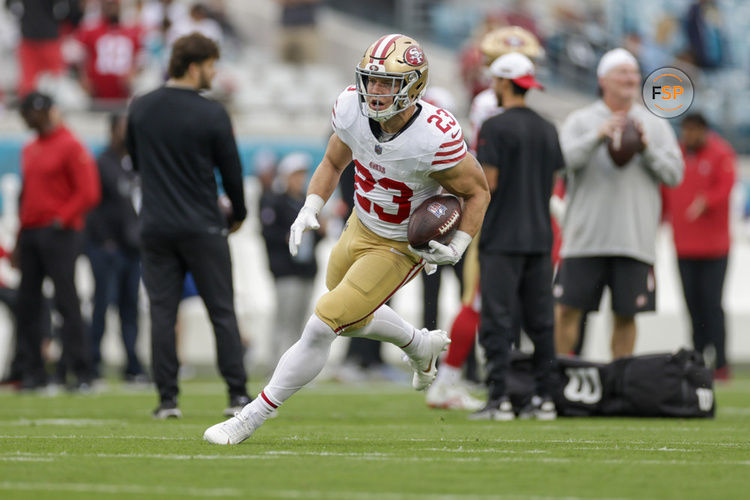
[(60, 184), (698, 210), (111, 55)]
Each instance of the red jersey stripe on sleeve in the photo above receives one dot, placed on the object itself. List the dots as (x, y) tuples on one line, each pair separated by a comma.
[(451, 152), (452, 143), (455, 159)]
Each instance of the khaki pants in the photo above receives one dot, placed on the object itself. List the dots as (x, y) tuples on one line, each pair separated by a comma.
[(364, 271)]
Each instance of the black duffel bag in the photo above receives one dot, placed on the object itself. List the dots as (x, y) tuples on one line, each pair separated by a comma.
[(653, 385)]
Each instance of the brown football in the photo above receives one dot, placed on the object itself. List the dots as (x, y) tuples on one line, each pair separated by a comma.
[(625, 144), (437, 218)]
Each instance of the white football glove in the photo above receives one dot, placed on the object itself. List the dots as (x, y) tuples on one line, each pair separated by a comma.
[(440, 254), (307, 218)]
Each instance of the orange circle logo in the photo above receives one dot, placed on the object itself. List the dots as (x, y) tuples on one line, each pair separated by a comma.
[(668, 92)]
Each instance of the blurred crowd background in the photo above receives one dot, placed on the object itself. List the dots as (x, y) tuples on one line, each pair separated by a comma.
[(283, 64)]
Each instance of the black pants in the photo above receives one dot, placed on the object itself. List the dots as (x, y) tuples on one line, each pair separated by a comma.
[(117, 277), (364, 352), (165, 262), (703, 286), (50, 252), (431, 292), (9, 297), (509, 281)]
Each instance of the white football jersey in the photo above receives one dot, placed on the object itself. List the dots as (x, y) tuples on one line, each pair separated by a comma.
[(392, 178), (483, 107)]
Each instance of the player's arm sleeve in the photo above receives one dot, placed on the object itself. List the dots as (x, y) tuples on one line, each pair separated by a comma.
[(662, 155), (452, 149), (227, 159), (578, 141), (84, 177), (344, 112)]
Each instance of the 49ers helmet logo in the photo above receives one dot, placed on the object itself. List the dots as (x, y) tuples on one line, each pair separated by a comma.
[(414, 56)]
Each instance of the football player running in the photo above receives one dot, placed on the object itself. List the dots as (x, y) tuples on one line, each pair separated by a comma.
[(404, 151)]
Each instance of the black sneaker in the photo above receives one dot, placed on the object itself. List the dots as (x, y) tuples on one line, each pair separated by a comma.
[(136, 380), (167, 409), (495, 409), (540, 408), (236, 403), (81, 387)]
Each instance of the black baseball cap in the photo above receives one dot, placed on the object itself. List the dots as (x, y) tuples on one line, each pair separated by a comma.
[(36, 101)]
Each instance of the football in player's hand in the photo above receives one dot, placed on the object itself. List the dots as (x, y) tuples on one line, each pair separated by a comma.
[(437, 218), (625, 144)]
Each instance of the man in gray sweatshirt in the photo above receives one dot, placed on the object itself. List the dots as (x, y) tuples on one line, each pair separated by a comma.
[(609, 228)]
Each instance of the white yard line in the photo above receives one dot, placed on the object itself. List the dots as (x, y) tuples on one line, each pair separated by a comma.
[(68, 422), (391, 457), (135, 489), (352, 495), (733, 410), (54, 436), (614, 444), (113, 489)]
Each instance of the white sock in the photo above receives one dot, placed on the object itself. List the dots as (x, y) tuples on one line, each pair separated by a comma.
[(448, 375), (387, 326), (297, 367)]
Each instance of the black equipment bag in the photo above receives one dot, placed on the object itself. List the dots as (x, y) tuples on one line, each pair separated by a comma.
[(652, 385)]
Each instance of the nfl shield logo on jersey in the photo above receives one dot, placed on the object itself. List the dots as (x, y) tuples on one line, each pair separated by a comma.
[(378, 148), (437, 209)]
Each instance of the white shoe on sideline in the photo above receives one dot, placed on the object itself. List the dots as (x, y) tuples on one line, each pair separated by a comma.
[(425, 369), (232, 431), (451, 397)]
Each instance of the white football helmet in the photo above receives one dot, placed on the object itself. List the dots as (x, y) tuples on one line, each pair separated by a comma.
[(400, 60)]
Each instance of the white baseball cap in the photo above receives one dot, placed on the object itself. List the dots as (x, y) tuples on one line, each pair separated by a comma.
[(294, 162), (517, 68), (614, 58)]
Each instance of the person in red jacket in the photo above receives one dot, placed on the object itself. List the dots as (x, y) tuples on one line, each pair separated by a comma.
[(60, 184), (698, 210)]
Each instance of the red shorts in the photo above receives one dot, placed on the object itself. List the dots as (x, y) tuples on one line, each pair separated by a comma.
[(38, 56)]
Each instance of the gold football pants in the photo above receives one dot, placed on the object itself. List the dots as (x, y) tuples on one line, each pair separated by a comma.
[(364, 271)]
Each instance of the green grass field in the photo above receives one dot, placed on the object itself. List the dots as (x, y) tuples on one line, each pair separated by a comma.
[(375, 441)]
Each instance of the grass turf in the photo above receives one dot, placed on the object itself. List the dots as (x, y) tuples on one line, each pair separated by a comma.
[(375, 441)]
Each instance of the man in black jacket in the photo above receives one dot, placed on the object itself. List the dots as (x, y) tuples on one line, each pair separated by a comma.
[(112, 246), (176, 138)]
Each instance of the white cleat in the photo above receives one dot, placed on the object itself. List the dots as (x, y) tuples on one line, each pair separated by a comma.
[(425, 366), (232, 431), (452, 397)]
